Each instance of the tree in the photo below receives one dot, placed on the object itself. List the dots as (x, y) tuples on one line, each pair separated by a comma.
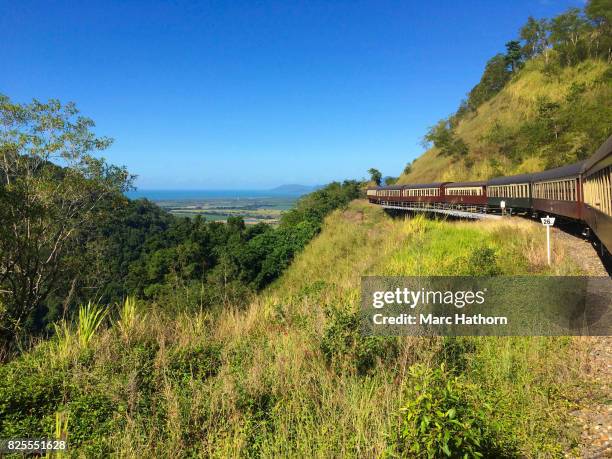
[(408, 168), (566, 32), (375, 176), (51, 188), (535, 35), (494, 78), (600, 13), (443, 137), (390, 180), (514, 55)]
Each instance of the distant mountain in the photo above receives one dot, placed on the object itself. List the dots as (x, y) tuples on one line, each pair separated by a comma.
[(295, 189)]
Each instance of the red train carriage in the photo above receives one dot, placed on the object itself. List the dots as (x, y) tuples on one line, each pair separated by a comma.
[(416, 193), (466, 194), (558, 191), (387, 194), (597, 193), (424, 192)]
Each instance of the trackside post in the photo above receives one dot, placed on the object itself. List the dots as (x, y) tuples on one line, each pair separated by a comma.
[(548, 222)]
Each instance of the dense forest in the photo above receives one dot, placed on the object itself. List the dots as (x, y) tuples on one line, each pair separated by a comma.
[(69, 236)]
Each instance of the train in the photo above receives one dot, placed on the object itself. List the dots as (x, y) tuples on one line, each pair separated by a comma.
[(579, 192)]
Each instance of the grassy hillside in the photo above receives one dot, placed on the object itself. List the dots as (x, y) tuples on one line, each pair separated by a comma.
[(291, 375), (499, 135)]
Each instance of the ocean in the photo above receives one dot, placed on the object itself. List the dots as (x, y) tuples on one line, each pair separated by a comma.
[(179, 195)]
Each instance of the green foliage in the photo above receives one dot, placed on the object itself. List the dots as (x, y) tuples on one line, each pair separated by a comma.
[(483, 262), (560, 131), (494, 78), (390, 180), (444, 418), (91, 421), (567, 39), (199, 362), (28, 396), (456, 352), (48, 212), (344, 344), (128, 317), (375, 176), (139, 250), (535, 36), (313, 386), (514, 55), (443, 136), (90, 319)]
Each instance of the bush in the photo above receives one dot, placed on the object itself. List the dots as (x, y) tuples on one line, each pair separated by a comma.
[(343, 344), (90, 423), (483, 262), (456, 352), (30, 397), (443, 418), (200, 362), (27, 397)]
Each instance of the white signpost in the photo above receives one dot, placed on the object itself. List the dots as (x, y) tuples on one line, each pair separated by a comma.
[(548, 222)]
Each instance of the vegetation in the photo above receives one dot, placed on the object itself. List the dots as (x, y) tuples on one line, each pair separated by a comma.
[(47, 211), (290, 375), (70, 236), (546, 102), (375, 176)]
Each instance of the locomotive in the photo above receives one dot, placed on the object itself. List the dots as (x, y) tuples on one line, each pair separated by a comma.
[(580, 192)]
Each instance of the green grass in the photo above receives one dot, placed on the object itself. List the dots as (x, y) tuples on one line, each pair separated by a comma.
[(291, 376)]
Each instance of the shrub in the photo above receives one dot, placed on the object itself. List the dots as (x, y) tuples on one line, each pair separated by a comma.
[(27, 397), (91, 417), (31, 398), (483, 262), (443, 418), (456, 351), (199, 362), (344, 344)]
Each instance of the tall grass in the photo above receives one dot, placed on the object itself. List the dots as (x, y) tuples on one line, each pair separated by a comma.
[(61, 433)]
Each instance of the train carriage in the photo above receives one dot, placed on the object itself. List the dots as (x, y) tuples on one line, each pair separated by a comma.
[(597, 189), (580, 192), (558, 191), (390, 194), (424, 192), (466, 194), (514, 191), (415, 193)]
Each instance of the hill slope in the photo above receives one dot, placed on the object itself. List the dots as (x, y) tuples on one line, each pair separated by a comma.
[(291, 375), (507, 134)]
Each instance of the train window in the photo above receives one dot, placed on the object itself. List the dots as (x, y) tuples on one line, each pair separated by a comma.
[(598, 190)]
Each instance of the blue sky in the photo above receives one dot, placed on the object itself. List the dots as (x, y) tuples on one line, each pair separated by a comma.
[(253, 94)]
